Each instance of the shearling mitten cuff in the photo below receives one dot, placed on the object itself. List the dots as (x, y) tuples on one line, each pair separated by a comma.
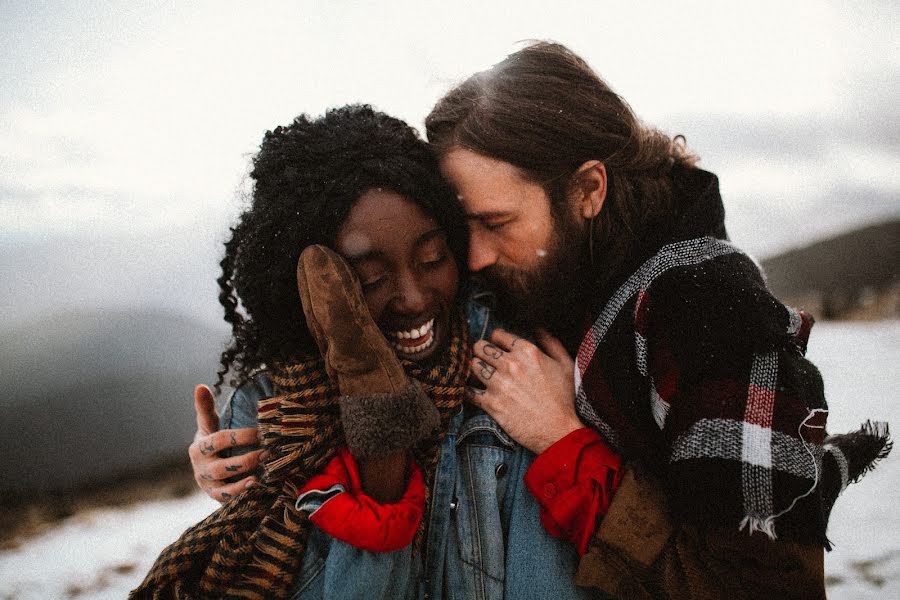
[(380, 424)]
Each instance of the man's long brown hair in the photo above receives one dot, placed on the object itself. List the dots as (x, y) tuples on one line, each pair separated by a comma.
[(545, 111)]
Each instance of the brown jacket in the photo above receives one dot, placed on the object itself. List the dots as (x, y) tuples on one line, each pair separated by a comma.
[(638, 553)]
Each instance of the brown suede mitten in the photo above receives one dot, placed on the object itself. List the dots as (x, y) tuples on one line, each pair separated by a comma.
[(382, 410)]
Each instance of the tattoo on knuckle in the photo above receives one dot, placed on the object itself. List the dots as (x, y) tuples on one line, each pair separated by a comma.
[(206, 477), (207, 449), (487, 371), (226, 496), (233, 468), (233, 439), (493, 351)]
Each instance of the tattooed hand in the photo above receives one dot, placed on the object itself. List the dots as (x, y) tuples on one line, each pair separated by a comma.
[(528, 390), (211, 470)]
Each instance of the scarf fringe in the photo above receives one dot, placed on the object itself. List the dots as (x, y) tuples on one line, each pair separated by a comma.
[(880, 443), (659, 407), (763, 524)]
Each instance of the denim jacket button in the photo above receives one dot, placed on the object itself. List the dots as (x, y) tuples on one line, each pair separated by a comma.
[(549, 490), (454, 503), (501, 470)]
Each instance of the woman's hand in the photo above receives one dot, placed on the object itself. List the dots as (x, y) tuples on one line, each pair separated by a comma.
[(211, 470), (529, 392)]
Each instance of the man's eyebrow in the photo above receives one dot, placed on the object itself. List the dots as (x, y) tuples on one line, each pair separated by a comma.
[(488, 214)]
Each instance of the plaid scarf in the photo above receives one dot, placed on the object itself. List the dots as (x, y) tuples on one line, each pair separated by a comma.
[(252, 546), (738, 452)]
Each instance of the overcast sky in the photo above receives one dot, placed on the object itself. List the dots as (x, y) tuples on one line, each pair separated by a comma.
[(126, 128)]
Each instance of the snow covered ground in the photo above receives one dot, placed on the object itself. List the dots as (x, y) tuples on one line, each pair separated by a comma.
[(860, 365), (105, 553), (98, 555)]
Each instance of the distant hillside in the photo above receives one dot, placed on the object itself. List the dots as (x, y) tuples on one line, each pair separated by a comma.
[(91, 395), (854, 275)]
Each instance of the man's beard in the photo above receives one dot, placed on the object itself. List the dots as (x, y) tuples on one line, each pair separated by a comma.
[(550, 294)]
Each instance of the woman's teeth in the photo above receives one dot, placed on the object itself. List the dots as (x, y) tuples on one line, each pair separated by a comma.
[(415, 340)]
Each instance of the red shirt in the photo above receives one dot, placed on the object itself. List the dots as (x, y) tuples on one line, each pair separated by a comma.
[(348, 514), (573, 482)]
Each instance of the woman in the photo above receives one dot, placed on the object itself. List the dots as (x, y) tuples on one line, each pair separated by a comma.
[(364, 185)]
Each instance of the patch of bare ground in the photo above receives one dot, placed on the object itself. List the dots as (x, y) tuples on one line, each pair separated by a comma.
[(102, 580), (24, 515), (874, 570)]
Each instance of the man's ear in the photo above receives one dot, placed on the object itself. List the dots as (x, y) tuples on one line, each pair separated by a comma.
[(590, 188)]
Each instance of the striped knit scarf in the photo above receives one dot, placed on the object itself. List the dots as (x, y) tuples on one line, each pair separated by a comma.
[(776, 467), (252, 547)]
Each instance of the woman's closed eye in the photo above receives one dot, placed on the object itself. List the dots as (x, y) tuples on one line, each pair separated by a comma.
[(433, 252), (434, 260), (371, 282)]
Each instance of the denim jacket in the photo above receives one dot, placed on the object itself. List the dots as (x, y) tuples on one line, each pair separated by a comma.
[(485, 538)]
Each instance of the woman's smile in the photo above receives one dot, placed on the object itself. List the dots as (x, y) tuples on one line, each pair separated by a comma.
[(408, 274)]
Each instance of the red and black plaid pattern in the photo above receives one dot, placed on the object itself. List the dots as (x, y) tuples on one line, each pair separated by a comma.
[(718, 399)]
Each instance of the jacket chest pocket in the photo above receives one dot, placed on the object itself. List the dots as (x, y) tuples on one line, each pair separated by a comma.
[(486, 456), (310, 582)]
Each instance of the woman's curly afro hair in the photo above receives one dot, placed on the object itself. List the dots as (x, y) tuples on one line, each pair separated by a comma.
[(307, 176)]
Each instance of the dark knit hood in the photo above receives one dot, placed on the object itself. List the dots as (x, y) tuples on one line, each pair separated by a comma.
[(699, 207), (697, 212)]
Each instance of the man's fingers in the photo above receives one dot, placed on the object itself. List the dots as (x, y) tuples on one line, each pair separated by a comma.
[(482, 370), (485, 370), (488, 352), (478, 397), (491, 351), (205, 407), (552, 346), (505, 340)]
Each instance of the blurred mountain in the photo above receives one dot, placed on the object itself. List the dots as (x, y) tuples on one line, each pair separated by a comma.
[(855, 275), (90, 395)]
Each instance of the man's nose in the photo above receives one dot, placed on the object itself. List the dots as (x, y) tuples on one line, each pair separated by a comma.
[(481, 252)]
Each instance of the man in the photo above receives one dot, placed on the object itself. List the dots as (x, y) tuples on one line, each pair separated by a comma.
[(589, 224)]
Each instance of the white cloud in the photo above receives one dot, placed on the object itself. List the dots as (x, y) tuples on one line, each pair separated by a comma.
[(847, 166), (123, 120), (177, 98)]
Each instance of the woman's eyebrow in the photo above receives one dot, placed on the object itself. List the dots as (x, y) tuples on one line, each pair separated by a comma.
[(355, 259), (430, 235), (371, 255)]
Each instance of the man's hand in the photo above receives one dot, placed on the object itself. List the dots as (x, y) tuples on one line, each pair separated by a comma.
[(530, 393), (210, 470)]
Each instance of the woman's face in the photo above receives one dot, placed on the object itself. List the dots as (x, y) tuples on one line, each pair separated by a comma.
[(408, 273)]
